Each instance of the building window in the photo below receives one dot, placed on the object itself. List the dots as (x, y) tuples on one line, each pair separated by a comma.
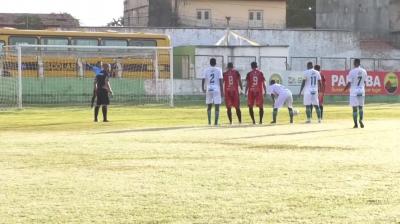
[(259, 17), (256, 19), (203, 17), (206, 15)]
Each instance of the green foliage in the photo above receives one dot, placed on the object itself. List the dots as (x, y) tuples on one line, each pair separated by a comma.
[(31, 22), (301, 13)]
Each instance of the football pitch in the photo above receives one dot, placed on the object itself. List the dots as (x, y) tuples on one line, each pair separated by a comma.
[(164, 165)]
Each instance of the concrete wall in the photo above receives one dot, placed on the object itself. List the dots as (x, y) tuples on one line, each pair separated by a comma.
[(370, 17), (301, 42), (136, 12), (394, 15), (241, 57)]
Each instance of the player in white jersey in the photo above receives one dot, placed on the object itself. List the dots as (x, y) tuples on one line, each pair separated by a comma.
[(356, 81), (311, 83), (212, 86), (280, 96)]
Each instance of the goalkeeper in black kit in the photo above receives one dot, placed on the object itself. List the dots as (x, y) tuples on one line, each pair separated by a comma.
[(101, 89)]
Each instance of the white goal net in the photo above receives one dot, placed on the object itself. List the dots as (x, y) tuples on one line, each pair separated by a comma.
[(64, 75)]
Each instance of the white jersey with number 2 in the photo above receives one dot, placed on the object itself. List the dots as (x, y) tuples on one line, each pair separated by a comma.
[(357, 78), (312, 77), (212, 76)]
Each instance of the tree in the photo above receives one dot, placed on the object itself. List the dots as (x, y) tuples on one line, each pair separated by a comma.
[(301, 13), (116, 22), (31, 22)]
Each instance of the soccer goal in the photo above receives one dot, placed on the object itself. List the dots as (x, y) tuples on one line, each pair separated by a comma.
[(64, 75)]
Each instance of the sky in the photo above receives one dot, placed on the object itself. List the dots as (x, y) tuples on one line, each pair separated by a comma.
[(89, 12)]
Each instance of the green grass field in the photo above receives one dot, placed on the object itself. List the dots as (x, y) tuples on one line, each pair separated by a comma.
[(163, 165)]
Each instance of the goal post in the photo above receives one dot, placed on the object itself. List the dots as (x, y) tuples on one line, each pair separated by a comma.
[(62, 74)]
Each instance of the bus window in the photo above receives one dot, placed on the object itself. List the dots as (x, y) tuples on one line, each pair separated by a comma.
[(23, 40), (2, 43), (106, 42), (54, 41), (143, 43), (85, 42)]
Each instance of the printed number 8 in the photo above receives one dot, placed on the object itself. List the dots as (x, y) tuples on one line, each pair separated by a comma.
[(255, 81)]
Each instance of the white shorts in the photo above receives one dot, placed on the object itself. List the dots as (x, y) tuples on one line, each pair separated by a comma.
[(357, 101), (284, 99), (310, 99), (213, 97)]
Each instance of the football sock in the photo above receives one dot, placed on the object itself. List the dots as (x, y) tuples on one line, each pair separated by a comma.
[(261, 114), (361, 112), (291, 114), (96, 112), (216, 114), (308, 112), (274, 115), (239, 114), (321, 109), (318, 112), (229, 112), (104, 110), (252, 115), (355, 116), (209, 106), (311, 111)]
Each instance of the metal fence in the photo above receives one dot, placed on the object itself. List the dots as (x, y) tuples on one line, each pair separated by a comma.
[(191, 67), (203, 61)]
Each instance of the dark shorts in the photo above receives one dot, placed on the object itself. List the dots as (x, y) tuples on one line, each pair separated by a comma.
[(321, 99), (255, 98), (102, 97), (232, 99)]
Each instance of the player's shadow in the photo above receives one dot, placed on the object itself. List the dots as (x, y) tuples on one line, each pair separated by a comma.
[(285, 134), (149, 130)]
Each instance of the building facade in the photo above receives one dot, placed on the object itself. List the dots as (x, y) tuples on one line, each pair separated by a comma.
[(136, 13), (206, 13), (372, 18)]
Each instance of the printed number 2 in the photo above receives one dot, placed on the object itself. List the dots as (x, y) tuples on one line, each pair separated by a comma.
[(359, 80), (212, 78), (313, 81)]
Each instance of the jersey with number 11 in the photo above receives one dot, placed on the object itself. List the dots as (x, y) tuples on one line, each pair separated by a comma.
[(312, 77), (212, 76)]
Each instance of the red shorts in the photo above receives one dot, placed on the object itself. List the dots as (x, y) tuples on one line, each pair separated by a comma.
[(255, 98), (321, 99), (232, 99)]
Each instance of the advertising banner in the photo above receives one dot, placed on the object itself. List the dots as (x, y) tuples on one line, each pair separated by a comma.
[(378, 83)]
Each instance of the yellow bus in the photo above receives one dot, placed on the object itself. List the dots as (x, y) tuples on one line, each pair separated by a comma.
[(59, 66)]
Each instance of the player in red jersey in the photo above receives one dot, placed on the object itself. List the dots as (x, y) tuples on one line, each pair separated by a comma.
[(255, 89), (321, 91), (232, 82)]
